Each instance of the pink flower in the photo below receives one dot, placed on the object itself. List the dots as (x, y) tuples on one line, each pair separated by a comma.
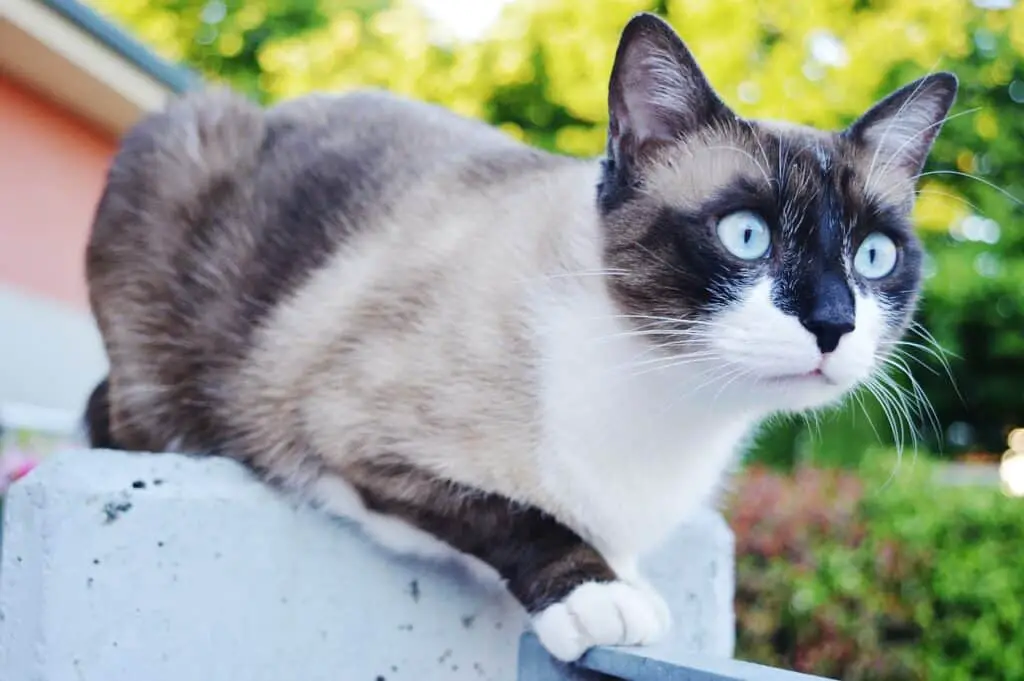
[(14, 465)]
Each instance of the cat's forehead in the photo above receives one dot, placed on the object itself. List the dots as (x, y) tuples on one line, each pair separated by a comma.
[(791, 161)]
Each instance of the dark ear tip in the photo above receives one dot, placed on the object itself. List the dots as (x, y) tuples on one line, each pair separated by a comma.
[(644, 22), (947, 80)]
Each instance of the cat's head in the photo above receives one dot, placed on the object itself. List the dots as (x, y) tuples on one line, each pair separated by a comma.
[(777, 259)]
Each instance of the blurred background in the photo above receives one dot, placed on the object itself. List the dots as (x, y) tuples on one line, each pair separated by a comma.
[(884, 540)]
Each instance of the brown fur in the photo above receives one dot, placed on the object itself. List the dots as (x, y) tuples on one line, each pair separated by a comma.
[(349, 288)]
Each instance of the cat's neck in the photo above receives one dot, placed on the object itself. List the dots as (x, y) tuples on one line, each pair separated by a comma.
[(601, 367), (632, 448)]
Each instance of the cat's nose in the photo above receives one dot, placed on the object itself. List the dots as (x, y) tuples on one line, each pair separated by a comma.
[(828, 331), (831, 313)]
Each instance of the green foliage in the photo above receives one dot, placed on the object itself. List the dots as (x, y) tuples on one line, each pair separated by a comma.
[(975, 298), (541, 73), (876, 577)]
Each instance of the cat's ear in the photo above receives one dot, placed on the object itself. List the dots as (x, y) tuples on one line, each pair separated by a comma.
[(899, 130), (657, 92)]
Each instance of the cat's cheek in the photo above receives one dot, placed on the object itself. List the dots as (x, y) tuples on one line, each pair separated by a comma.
[(766, 342)]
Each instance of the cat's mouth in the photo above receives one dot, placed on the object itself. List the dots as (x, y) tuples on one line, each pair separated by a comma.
[(817, 375)]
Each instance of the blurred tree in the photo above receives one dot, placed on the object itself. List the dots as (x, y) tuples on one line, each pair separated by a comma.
[(974, 301), (224, 38), (541, 72)]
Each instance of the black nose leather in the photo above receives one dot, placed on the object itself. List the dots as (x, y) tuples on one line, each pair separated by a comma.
[(828, 332), (832, 312)]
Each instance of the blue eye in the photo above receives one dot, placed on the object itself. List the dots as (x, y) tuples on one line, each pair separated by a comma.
[(876, 256), (744, 234)]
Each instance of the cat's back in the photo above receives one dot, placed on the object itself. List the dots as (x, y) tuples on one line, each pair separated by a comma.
[(216, 210), (216, 185), (377, 142)]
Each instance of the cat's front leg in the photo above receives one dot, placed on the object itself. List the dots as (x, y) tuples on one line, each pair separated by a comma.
[(574, 596)]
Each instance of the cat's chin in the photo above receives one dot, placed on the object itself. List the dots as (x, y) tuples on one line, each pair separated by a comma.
[(805, 391)]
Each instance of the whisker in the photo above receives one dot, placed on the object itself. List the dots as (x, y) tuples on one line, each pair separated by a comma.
[(918, 390), (924, 408), (674, 268), (663, 332), (736, 376), (982, 180), (902, 408), (670, 320), (938, 352), (764, 154), (665, 363), (858, 395), (589, 273), (882, 397), (923, 331), (936, 192), (917, 360)]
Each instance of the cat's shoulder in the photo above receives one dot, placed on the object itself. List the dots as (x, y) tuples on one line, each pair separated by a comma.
[(409, 137)]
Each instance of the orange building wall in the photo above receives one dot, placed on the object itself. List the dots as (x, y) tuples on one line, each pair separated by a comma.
[(52, 169)]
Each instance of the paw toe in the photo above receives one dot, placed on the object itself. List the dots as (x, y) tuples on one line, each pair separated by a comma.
[(558, 633), (601, 613)]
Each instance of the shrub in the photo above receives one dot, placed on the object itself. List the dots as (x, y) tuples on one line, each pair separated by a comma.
[(846, 575)]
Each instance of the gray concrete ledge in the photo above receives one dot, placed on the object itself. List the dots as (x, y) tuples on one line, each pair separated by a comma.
[(158, 567), (654, 663)]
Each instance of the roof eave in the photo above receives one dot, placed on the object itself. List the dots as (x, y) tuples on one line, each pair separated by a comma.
[(69, 54)]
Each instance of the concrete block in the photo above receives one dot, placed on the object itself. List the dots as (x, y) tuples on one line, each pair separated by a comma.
[(159, 567), (652, 663)]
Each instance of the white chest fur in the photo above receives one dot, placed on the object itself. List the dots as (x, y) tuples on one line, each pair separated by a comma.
[(633, 445)]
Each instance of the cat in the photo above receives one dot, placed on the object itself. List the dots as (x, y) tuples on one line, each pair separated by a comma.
[(539, 364)]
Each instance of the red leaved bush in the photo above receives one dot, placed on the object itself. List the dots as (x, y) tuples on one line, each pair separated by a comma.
[(815, 593), (776, 516)]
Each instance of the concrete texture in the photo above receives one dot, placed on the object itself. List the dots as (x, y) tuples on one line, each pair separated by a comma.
[(157, 567)]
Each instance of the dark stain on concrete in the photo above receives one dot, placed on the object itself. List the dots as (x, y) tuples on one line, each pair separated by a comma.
[(113, 510)]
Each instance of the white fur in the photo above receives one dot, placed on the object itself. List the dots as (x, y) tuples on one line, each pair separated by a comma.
[(629, 453), (602, 613)]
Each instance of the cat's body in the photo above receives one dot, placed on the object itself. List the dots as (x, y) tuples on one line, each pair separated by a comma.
[(510, 371), (416, 321)]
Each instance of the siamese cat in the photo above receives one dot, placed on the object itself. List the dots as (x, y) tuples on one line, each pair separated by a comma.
[(539, 364)]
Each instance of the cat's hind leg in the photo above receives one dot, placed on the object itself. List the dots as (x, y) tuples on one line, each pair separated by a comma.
[(574, 596), (96, 418)]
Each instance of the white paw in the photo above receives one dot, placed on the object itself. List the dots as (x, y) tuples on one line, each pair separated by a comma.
[(602, 614)]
